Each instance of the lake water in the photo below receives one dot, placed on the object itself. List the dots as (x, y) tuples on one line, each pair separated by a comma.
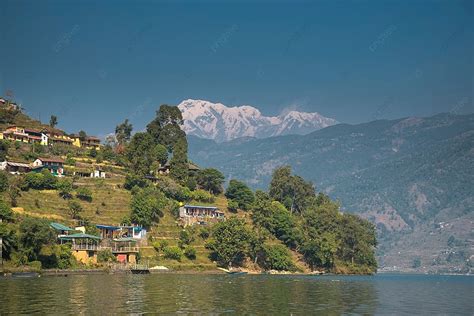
[(247, 294)]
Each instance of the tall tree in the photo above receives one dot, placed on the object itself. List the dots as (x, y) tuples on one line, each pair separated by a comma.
[(210, 179), (179, 161), (166, 127), (123, 132), (53, 121), (240, 193), (141, 153), (291, 190)]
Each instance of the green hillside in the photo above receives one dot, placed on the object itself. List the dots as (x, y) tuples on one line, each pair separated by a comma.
[(405, 175)]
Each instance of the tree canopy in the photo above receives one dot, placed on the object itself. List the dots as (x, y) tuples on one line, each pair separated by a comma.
[(210, 179), (240, 193)]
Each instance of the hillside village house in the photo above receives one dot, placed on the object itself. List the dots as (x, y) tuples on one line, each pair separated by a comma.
[(25, 135), (89, 172), (54, 165), (89, 142), (15, 167), (197, 214), (165, 169)]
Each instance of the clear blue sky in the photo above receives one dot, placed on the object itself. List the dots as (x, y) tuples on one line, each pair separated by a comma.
[(93, 64)]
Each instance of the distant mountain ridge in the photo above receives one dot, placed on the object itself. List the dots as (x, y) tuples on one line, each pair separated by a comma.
[(412, 177), (221, 123)]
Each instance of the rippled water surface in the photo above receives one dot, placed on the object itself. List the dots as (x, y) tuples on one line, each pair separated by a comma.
[(248, 294)]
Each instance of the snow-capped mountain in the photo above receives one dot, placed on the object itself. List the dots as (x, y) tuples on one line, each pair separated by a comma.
[(221, 123)]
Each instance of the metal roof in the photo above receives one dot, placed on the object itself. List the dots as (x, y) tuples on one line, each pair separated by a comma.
[(59, 226), (200, 206), (80, 236)]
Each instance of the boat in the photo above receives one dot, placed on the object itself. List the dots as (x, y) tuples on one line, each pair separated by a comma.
[(236, 272), (25, 275)]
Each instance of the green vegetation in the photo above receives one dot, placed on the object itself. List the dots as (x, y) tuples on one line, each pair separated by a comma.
[(238, 192), (290, 227)]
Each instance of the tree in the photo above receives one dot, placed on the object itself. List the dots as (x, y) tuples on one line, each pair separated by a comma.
[(3, 181), (82, 136), (161, 154), (141, 153), (65, 187), (84, 194), (320, 251), (240, 193), (165, 128), (53, 121), (291, 190), (210, 179), (179, 161), (230, 241), (173, 253), (358, 241), (277, 257), (123, 132), (147, 206), (34, 234), (75, 209), (4, 145), (6, 213)]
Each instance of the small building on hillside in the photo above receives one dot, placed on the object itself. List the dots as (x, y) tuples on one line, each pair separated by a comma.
[(84, 247), (89, 142), (15, 167), (25, 135), (197, 214), (122, 231), (166, 168), (62, 230), (60, 139), (54, 165), (89, 172)]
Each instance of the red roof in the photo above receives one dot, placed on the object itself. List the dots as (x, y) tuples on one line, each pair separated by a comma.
[(59, 160)]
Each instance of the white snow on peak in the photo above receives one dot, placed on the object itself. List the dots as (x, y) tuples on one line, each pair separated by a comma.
[(221, 123)]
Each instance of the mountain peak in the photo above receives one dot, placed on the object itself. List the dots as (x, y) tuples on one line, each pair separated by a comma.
[(222, 123)]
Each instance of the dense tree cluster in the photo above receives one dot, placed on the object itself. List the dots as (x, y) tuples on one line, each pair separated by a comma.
[(309, 223)]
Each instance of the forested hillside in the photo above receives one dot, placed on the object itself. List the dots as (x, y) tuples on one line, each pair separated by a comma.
[(407, 176)]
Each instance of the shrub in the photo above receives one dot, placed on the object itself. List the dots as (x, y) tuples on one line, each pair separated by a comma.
[(204, 232), (65, 187), (84, 194), (190, 252), (202, 196), (186, 237), (75, 209), (39, 181), (232, 206), (277, 257), (3, 181), (105, 256), (173, 253)]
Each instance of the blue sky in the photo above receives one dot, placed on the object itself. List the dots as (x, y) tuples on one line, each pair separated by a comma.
[(93, 64)]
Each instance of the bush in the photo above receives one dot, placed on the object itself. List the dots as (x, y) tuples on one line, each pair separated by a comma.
[(202, 196), (105, 256), (84, 194), (65, 187), (3, 181), (277, 257), (133, 180), (204, 232), (173, 253), (190, 253), (186, 237), (75, 209), (232, 206), (39, 181)]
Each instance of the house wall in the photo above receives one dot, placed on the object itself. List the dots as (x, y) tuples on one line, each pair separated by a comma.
[(83, 256)]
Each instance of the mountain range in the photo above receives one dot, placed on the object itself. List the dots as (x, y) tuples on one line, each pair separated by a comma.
[(412, 177), (221, 123)]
